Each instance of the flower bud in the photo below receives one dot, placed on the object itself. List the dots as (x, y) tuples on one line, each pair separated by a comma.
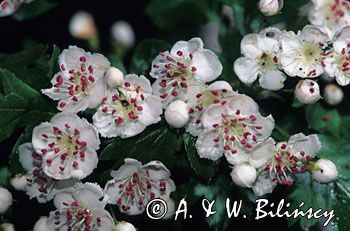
[(114, 77), (82, 26), (5, 200), (124, 226), (7, 227), (270, 7), (307, 91), (123, 33), (243, 175), (176, 114), (324, 171), (41, 224), (333, 94), (18, 182)]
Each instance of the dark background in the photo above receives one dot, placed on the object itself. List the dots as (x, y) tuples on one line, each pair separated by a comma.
[(52, 28)]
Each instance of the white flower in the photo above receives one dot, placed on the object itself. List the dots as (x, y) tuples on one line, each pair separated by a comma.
[(81, 208), (8, 7), (331, 14), (42, 225), (219, 92), (279, 162), (82, 26), (175, 71), (302, 53), (37, 184), (7, 227), (232, 129), (307, 91), (324, 171), (5, 200), (243, 175), (19, 182), (176, 114), (123, 33), (337, 61), (128, 109), (124, 226), (134, 185), (333, 94), (79, 84), (67, 145), (260, 53), (114, 77), (270, 7)]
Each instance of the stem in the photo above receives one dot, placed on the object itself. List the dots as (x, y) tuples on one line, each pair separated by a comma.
[(94, 43), (283, 132)]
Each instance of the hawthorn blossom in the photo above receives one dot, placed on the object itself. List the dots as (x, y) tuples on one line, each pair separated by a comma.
[(232, 129), (128, 109), (38, 184), (177, 114), (80, 83), (302, 54), (8, 7), (261, 58), (277, 163), (270, 7), (67, 146), (330, 14), (185, 64), (81, 208), (307, 91), (134, 185), (324, 171), (337, 62), (219, 92)]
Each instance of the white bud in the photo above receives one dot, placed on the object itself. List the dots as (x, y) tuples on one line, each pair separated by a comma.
[(114, 77), (123, 33), (41, 225), (7, 227), (5, 200), (124, 226), (333, 94), (270, 7), (307, 91), (243, 175), (176, 114), (19, 182), (82, 26), (324, 171)]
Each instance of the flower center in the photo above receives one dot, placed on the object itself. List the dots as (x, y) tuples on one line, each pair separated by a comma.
[(125, 106), (267, 62), (138, 188), (284, 162), (77, 217), (311, 53), (177, 71), (79, 82), (237, 131), (66, 145)]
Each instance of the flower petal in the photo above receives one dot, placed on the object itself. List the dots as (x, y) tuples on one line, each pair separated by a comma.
[(207, 64), (247, 70), (207, 148), (309, 144), (261, 153), (272, 80)]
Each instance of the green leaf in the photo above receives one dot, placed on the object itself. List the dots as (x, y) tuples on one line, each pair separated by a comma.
[(144, 53), (170, 14), (323, 120), (23, 58), (53, 62), (202, 167), (34, 9), (5, 175), (160, 144), (20, 105)]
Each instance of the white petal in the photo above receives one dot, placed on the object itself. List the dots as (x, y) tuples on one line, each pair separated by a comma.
[(127, 169), (309, 144), (263, 185), (272, 80), (220, 85), (261, 153), (207, 64), (249, 47), (213, 115), (70, 57), (131, 129), (267, 45), (314, 34), (96, 93), (151, 110), (191, 46), (86, 165), (141, 81), (244, 103), (207, 148), (25, 156), (247, 70), (240, 157), (267, 124)]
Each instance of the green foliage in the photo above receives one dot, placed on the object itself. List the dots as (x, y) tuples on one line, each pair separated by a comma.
[(170, 14), (323, 120), (202, 167), (4, 176), (34, 9), (144, 53)]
